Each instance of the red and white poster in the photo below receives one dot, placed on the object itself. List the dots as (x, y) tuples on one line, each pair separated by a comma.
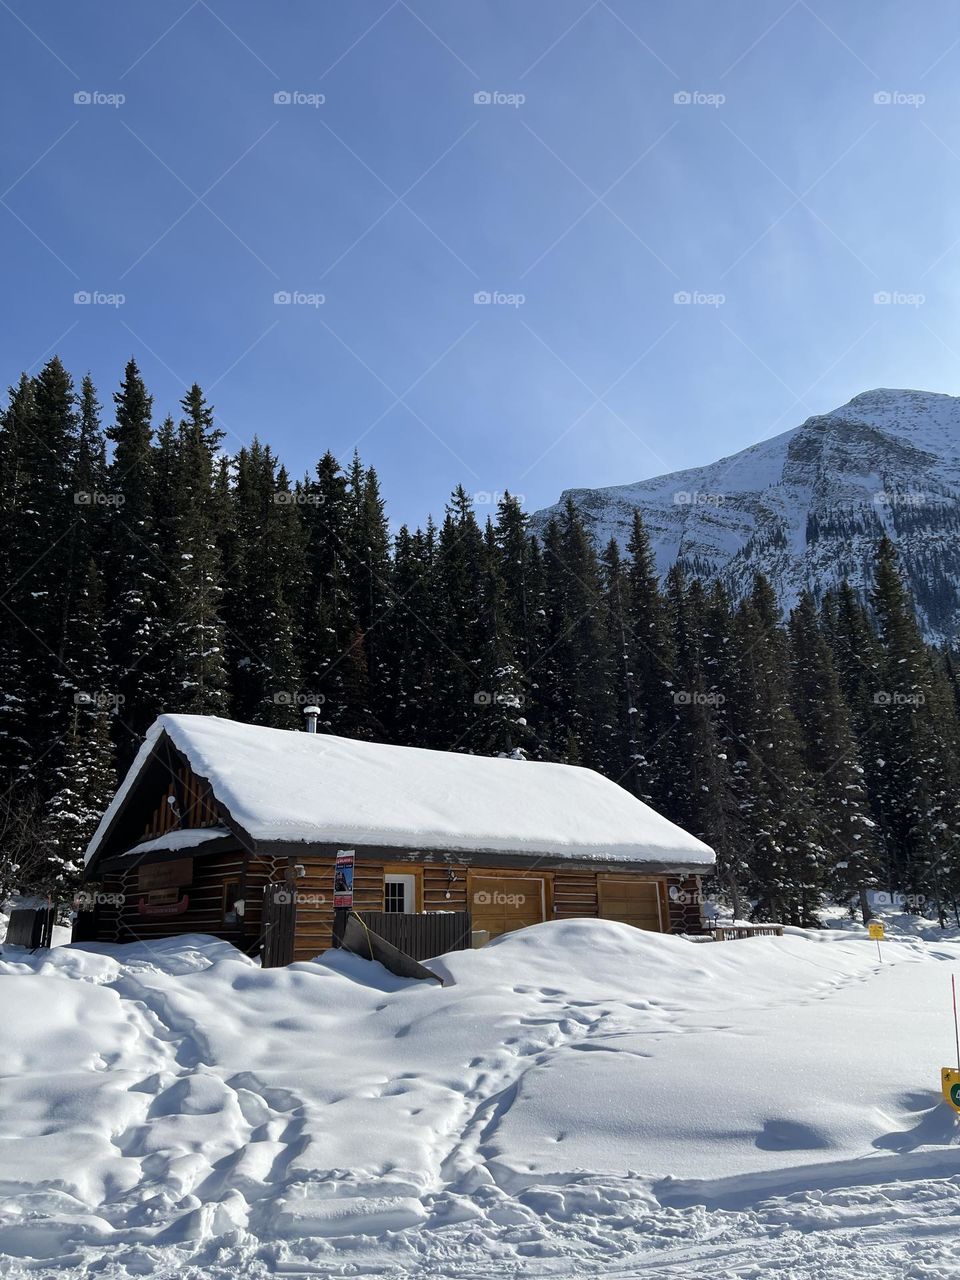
[(343, 879)]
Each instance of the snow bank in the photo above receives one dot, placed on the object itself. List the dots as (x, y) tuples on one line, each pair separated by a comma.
[(581, 1091), (281, 785)]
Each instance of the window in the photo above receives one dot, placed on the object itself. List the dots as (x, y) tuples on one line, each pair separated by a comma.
[(232, 903), (399, 892)]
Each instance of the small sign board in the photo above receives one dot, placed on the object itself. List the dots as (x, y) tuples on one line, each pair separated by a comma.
[(950, 1084), (875, 930), (343, 879), (165, 875)]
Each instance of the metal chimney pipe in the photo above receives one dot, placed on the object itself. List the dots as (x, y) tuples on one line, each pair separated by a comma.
[(311, 713)]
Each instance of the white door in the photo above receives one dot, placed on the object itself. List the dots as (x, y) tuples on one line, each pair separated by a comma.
[(400, 893)]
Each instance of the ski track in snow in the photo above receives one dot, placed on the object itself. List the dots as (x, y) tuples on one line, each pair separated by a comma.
[(222, 1158)]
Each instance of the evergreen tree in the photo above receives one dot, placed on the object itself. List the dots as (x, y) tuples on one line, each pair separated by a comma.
[(720, 820), (652, 673), (82, 779), (334, 652), (786, 859), (520, 569), (89, 494), (521, 574), (501, 726), (851, 634), (832, 759), (85, 778), (15, 748), (820, 756), (579, 708), (702, 791), (196, 587), (623, 744), (368, 550), (132, 565), (915, 788), (264, 571), (159, 664), (413, 650), (39, 598), (951, 672), (461, 664)]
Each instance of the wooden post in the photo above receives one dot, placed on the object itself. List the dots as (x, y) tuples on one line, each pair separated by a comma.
[(340, 917)]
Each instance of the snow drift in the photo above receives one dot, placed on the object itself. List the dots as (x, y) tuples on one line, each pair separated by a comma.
[(580, 1091)]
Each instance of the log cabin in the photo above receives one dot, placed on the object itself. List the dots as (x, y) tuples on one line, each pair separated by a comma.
[(216, 820)]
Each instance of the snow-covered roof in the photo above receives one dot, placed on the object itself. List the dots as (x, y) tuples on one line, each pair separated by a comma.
[(179, 838), (278, 785)]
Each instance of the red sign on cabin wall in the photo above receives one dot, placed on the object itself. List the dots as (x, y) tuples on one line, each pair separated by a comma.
[(343, 879), (160, 904)]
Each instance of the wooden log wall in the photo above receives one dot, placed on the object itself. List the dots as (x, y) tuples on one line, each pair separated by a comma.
[(685, 904), (191, 798), (441, 879), (569, 894), (314, 896), (122, 921)]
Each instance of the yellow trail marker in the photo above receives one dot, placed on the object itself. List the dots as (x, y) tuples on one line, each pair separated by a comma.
[(950, 1076), (950, 1084), (875, 931)]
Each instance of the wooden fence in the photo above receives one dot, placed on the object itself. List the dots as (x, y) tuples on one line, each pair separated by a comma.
[(30, 927), (729, 932), (424, 935)]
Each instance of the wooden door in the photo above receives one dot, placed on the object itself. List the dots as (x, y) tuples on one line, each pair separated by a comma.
[(500, 904), (630, 900)]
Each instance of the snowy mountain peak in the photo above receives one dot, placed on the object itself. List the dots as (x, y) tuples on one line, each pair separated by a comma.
[(807, 506)]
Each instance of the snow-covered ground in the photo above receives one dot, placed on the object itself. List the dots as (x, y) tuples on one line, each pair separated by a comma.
[(579, 1099)]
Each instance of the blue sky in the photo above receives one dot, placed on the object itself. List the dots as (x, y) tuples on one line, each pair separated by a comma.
[(815, 166)]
